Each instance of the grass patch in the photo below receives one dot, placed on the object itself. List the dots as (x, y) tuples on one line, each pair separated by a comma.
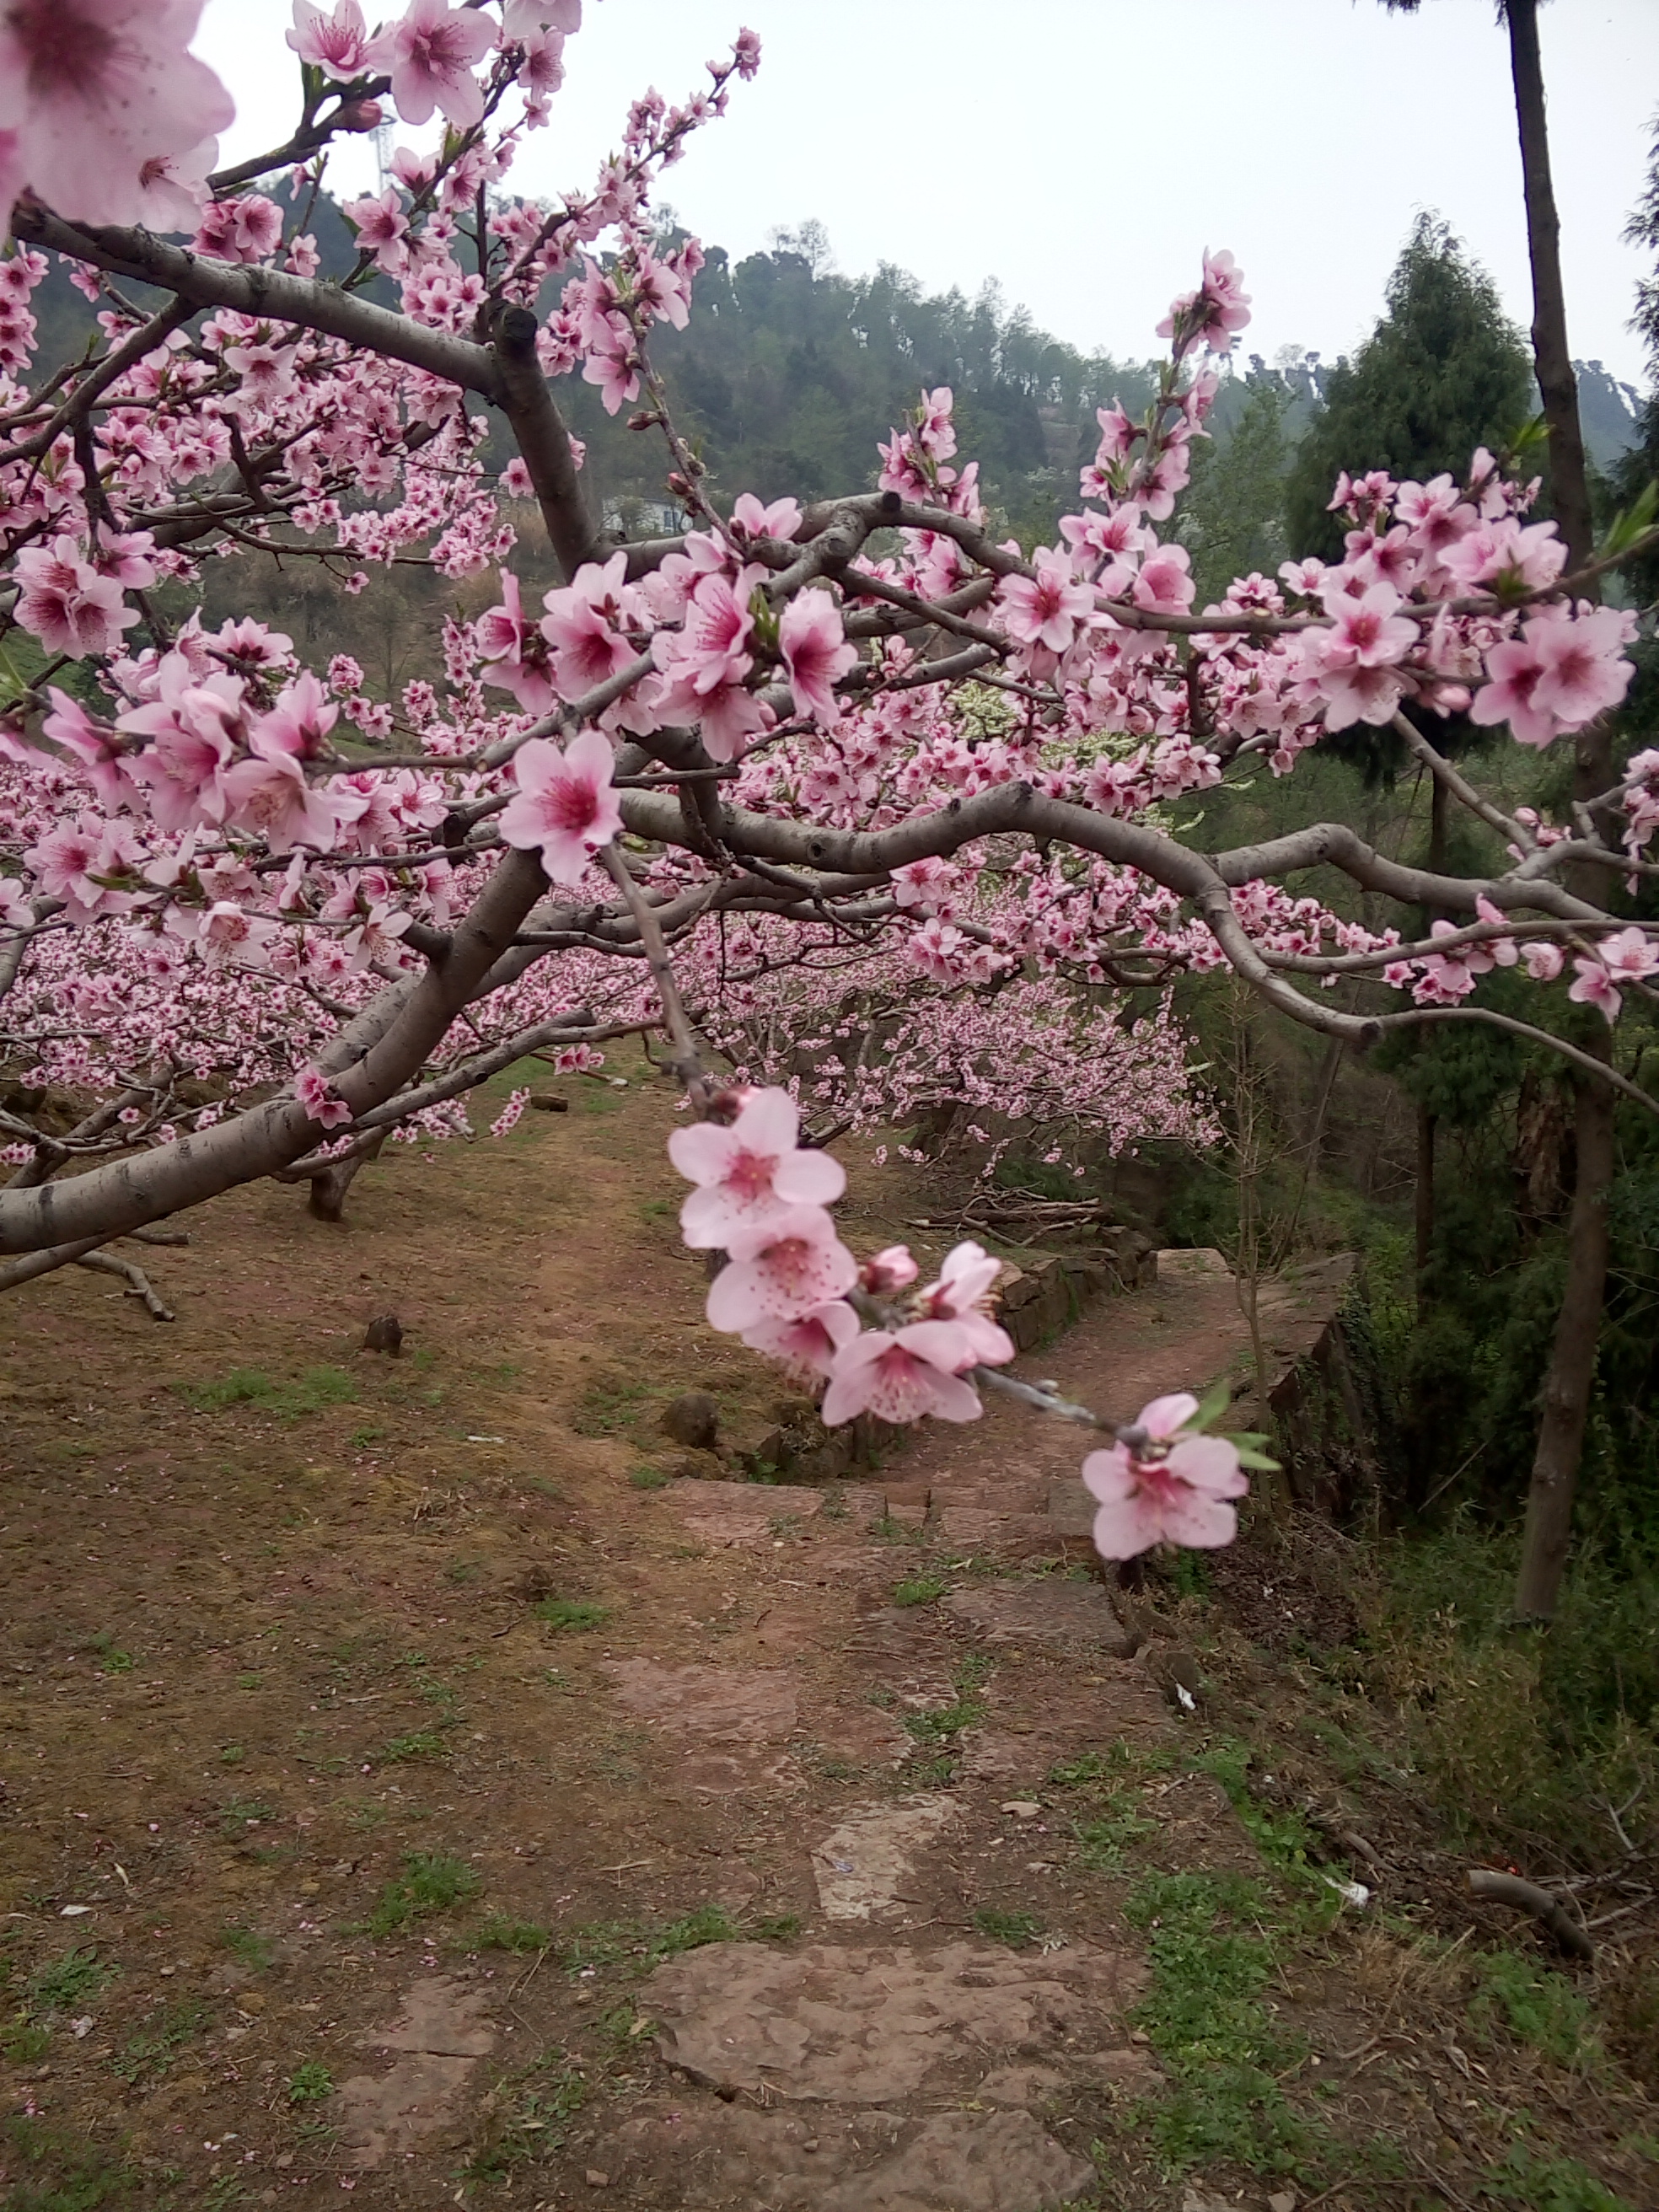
[(431, 1881), (526, 2122), (1537, 2005), (920, 1590), (249, 1949), (311, 1392), (146, 2058), (310, 2082), (56, 2170), (610, 1406), (1549, 2185), (945, 1722), (648, 1478), (419, 1743), (499, 1932), (1207, 2017), (1105, 1843), (112, 1660), (69, 1982), (606, 1944), (1013, 1929), (574, 1613)]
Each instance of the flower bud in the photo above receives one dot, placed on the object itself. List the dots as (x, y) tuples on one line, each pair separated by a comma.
[(358, 115)]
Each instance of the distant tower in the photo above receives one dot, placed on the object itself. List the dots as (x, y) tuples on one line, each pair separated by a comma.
[(384, 134)]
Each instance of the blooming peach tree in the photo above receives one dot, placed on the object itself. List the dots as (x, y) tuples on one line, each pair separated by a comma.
[(869, 738)]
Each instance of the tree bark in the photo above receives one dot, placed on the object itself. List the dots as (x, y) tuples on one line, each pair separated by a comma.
[(329, 1185), (1557, 384), (1571, 1373)]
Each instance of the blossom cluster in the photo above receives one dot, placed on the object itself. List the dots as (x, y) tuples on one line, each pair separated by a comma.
[(793, 1291)]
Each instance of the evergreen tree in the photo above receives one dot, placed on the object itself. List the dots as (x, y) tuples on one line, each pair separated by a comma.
[(1232, 518), (1443, 372)]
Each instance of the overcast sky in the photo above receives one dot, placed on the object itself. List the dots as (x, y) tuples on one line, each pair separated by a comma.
[(1084, 152)]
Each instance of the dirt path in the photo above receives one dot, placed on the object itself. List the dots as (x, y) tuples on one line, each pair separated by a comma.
[(416, 1787)]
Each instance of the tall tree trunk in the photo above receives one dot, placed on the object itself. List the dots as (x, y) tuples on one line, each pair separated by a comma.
[(1556, 382), (1573, 1364), (1571, 1373)]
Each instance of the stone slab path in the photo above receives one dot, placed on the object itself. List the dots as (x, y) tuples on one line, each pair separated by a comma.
[(860, 1745), (891, 2058)]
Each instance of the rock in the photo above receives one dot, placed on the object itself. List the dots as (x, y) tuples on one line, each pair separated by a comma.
[(1201, 1264), (969, 2162), (549, 1101), (693, 1420), (874, 2025), (1067, 1616), (383, 1334), (862, 1864), (596, 2178), (442, 2039)]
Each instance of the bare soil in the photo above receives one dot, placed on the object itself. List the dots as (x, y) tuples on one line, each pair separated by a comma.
[(421, 1779)]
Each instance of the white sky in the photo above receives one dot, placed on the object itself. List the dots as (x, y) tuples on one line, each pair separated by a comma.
[(1084, 152)]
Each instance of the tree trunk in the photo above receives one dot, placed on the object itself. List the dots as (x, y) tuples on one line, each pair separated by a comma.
[(329, 1185), (1573, 1364), (1556, 383), (1572, 1356)]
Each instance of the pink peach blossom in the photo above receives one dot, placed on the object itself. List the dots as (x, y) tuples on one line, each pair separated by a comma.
[(805, 1349), (903, 1375), (964, 1283), (815, 652), (565, 808), (430, 54), (336, 44), (92, 89), (750, 1170), (779, 1269), (1169, 1487), (320, 1099)]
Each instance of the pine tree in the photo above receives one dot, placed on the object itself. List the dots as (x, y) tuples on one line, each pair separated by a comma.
[(1443, 372)]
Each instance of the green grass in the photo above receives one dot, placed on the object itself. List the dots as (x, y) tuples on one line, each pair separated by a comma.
[(431, 1881), (311, 1392), (146, 2058), (610, 1406), (112, 1660), (920, 1590), (249, 1949), (310, 2082), (499, 1932), (526, 2126), (419, 1743), (22, 2040), (1549, 2185), (68, 1982), (639, 1946), (1106, 1843), (648, 1478), (943, 1725), (1013, 1929), (55, 2171), (1537, 2005), (574, 1613), (1207, 2017)]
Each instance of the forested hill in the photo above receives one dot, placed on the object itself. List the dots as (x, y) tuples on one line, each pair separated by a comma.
[(788, 373)]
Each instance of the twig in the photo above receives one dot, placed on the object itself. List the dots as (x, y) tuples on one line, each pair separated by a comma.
[(137, 1282), (687, 1060), (1510, 1889)]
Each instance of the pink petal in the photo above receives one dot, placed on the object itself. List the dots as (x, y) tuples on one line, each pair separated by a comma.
[(1165, 1416), (704, 1151), (1110, 1476), (1209, 1464)]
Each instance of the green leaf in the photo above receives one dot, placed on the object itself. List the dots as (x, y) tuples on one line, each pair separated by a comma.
[(1631, 525), (1214, 1403)]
